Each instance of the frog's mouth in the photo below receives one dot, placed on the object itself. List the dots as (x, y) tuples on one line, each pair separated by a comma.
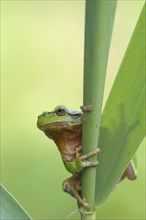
[(57, 126)]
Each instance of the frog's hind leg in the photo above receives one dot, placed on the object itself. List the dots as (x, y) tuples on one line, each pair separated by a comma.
[(72, 186), (129, 173)]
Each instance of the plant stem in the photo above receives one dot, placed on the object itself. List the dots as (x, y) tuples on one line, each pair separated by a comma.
[(98, 29), (86, 216)]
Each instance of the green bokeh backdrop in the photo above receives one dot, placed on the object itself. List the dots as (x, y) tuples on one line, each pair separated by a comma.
[(42, 66)]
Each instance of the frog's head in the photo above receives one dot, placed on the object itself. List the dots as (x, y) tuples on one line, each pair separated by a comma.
[(60, 115), (59, 120)]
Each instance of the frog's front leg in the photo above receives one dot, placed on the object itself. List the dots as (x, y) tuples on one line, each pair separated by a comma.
[(90, 154), (80, 161), (72, 186), (84, 157)]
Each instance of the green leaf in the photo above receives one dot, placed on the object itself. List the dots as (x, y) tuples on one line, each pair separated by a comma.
[(10, 208), (123, 119)]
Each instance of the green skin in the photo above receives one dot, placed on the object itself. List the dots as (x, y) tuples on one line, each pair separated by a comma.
[(64, 127)]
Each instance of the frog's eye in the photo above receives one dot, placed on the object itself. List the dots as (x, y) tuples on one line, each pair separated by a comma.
[(60, 112)]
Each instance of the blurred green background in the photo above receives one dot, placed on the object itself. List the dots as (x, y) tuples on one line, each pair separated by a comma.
[(42, 66)]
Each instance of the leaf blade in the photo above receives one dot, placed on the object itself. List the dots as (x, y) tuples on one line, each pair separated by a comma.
[(123, 119), (10, 208)]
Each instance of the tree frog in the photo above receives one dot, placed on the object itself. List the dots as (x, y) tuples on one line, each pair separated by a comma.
[(64, 127)]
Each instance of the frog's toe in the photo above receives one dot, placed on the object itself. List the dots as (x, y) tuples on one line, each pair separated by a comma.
[(98, 150), (83, 204), (91, 164), (95, 163), (86, 205), (90, 154)]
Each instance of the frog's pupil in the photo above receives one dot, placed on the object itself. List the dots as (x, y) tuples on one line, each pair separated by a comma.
[(60, 112)]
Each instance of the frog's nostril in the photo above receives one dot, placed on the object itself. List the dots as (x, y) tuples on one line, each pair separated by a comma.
[(44, 113)]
